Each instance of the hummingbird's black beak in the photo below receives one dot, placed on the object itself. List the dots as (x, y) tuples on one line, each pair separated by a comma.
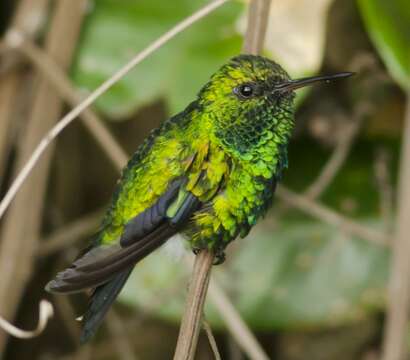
[(299, 83)]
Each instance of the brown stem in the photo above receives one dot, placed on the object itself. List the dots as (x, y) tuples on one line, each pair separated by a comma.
[(396, 332), (69, 234), (257, 22), (11, 81), (330, 216), (211, 339), (52, 72), (192, 317)]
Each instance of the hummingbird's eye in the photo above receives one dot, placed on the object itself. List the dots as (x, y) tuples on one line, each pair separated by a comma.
[(244, 91)]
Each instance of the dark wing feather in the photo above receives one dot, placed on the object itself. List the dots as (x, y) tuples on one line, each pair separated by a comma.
[(145, 222), (102, 263), (142, 235), (189, 206)]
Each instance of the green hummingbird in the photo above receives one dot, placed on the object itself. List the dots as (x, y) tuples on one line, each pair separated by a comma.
[(208, 173)]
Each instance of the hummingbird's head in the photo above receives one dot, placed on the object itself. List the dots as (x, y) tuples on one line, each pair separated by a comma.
[(250, 96)]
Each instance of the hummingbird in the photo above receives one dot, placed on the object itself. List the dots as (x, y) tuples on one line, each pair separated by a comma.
[(208, 173)]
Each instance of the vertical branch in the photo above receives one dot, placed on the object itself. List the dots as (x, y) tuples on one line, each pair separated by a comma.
[(192, 318), (395, 338), (23, 20), (256, 29), (21, 228)]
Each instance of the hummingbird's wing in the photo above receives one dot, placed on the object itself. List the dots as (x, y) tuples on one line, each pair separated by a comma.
[(142, 234)]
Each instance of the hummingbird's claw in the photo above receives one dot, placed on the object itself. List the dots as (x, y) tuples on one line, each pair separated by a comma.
[(219, 257)]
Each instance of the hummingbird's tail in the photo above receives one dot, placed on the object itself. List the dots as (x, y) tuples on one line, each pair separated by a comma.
[(99, 303), (105, 268)]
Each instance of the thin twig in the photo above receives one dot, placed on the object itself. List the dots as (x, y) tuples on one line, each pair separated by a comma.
[(211, 339), (192, 317), (336, 160), (67, 119), (396, 331), (69, 234), (258, 15), (329, 216), (52, 72), (235, 324), (63, 85)]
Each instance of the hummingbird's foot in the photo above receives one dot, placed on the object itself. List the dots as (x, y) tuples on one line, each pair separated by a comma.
[(219, 257)]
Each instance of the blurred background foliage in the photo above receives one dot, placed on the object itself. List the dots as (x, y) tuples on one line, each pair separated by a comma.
[(310, 290)]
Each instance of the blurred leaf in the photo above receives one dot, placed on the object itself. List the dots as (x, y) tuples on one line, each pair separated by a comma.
[(303, 24), (300, 275), (388, 23), (177, 71)]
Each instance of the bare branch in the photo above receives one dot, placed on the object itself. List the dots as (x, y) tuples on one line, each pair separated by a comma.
[(67, 119), (313, 208), (192, 317), (256, 28), (69, 234), (211, 339)]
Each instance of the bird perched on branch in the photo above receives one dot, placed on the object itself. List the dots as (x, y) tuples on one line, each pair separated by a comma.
[(208, 173)]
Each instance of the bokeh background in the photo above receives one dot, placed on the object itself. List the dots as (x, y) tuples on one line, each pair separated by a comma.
[(309, 285)]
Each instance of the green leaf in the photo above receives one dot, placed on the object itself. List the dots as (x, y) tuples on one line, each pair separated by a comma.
[(388, 24), (177, 71)]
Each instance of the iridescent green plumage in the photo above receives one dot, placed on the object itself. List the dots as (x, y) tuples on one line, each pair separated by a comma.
[(209, 173), (231, 150)]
